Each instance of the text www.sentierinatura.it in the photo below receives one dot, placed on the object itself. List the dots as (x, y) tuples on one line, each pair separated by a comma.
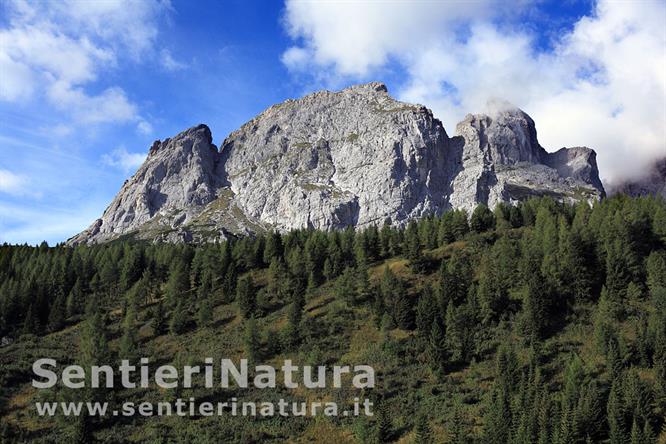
[(190, 407)]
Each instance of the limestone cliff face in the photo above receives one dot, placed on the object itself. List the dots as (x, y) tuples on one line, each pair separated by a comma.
[(173, 185), (334, 159), (502, 161)]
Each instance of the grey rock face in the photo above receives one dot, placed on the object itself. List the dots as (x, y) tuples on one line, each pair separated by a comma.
[(174, 184), (333, 159), (501, 161)]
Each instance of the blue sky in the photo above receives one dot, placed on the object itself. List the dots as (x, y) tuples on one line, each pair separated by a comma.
[(85, 87)]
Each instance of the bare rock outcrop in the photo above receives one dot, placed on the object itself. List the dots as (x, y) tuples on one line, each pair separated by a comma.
[(356, 157)]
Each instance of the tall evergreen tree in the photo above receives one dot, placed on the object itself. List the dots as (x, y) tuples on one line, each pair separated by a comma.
[(246, 296), (57, 314), (179, 318), (616, 415), (482, 219), (383, 426), (252, 341), (437, 347), (422, 431), (158, 319)]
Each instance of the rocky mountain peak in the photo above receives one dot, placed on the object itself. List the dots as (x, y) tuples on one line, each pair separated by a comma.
[(328, 160), (507, 136), (371, 88)]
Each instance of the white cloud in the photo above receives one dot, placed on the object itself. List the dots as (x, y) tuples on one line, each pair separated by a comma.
[(144, 127), (295, 58), (59, 130), (17, 185), (356, 37), (58, 49), (121, 158), (168, 62), (124, 24), (17, 78), (604, 84), (12, 183)]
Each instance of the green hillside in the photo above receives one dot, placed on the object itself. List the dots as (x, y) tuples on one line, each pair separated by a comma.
[(538, 323)]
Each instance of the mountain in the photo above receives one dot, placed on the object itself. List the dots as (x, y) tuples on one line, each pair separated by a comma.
[(653, 182), (333, 159)]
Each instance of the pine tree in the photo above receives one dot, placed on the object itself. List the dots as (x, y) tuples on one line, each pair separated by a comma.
[(383, 427), (277, 279), (158, 321), (75, 304), (395, 300), (437, 347), (379, 308), (535, 293), (422, 432), (57, 314), (315, 251), (617, 271), (648, 434), (179, 318), (274, 248), (573, 379), (93, 344), (30, 322), (459, 224), (534, 311), (426, 311), (128, 348), (502, 216), (247, 297), (385, 241), (636, 436), (656, 270), (445, 234), (178, 283), (614, 362), (459, 434), (589, 417), (605, 321), (414, 248), (482, 219), (544, 420), (454, 334), (506, 365), (252, 341), (615, 414), (497, 419), (204, 311), (403, 313), (292, 335), (205, 290), (496, 278), (345, 288), (455, 276), (565, 432), (362, 284)]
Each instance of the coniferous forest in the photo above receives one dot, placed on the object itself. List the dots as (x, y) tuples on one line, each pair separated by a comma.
[(536, 323)]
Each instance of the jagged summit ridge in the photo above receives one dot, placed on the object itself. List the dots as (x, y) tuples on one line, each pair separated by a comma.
[(334, 159)]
